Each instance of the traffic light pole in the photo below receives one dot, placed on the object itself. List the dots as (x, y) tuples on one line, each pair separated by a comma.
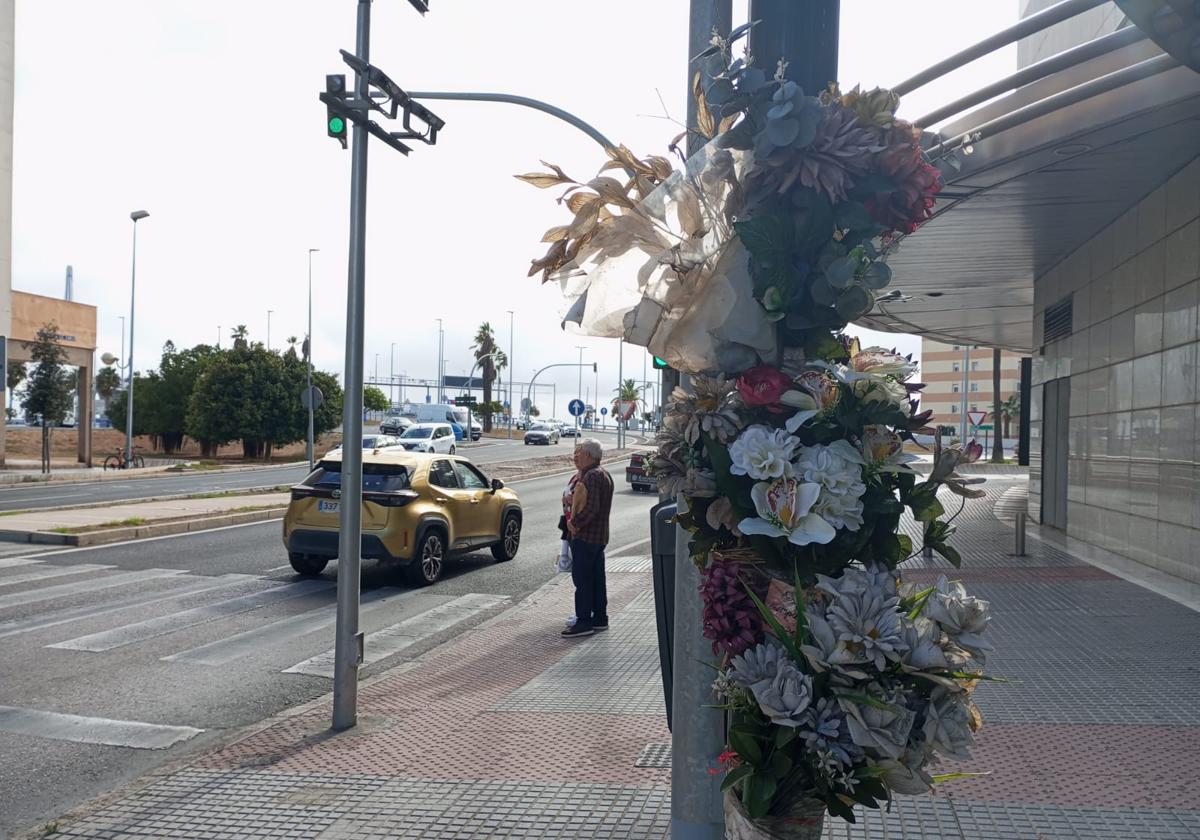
[(348, 639)]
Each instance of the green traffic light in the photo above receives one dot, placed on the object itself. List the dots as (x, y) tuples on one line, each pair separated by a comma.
[(337, 125), (660, 364)]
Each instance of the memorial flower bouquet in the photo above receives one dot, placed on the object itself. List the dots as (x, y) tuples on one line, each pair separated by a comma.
[(785, 446)]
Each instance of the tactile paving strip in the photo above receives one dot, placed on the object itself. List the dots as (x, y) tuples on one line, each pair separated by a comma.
[(614, 672), (654, 755)]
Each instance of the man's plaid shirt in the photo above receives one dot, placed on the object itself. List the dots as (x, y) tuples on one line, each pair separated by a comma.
[(591, 523)]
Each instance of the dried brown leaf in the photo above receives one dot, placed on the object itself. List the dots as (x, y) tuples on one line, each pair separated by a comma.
[(704, 118), (645, 186), (611, 191), (552, 260), (727, 123), (691, 216), (580, 200), (661, 166), (555, 233), (585, 221), (541, 180), (628, 159), (566, 179)]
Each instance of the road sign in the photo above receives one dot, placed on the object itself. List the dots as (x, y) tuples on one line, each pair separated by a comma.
[(984, 427), (603, 411), (316, 398), (976, 417), (466, 402), (576, 408)]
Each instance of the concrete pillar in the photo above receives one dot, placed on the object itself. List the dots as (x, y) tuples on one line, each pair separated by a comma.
[(83, 417)]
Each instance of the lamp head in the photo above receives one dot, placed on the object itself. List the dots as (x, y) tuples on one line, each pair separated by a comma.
[(138, 214)]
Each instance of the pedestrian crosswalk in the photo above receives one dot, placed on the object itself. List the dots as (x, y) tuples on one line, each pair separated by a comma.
[(179, 627)]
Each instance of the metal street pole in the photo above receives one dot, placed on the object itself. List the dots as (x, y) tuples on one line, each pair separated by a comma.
[(620, 382), (135, 216), (123, 359), (392, 378), (269, 311), (512, 406), (441, 336), (218, 335), (348, 640), (966, 366), (579, 391), (310, 444)]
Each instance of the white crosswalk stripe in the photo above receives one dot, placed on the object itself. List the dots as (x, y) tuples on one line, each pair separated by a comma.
[(93, 730), (50, 572), (160, 626), (9, 562), (188, 587), (391, 640), (49, 593)]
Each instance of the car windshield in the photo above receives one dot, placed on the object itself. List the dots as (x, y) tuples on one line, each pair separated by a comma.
[(372, 441), (377, 478), (539, 427), (417, 433)]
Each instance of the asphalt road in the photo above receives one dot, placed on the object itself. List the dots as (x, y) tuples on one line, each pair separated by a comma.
[(32, 497), (156, 632)]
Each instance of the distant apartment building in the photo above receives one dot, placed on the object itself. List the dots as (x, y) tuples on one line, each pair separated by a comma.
[(942, 373)]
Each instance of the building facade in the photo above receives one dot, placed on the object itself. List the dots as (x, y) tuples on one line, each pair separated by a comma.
[(942, 369)]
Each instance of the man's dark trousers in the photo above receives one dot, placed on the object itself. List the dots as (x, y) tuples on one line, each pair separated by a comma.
[(591, 589)]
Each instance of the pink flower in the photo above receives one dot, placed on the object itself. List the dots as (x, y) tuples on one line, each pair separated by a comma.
[(764, 386)]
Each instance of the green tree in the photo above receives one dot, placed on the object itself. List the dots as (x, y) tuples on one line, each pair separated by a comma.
[(16, 375), (628, 391), (239, 336), (1010, 410), (108, 380), (145, 406), (491, 362), (178, 373), (49, 391), (534, 411), (374, 399)]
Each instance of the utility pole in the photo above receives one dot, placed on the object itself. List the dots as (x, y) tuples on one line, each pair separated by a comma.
[(966, 367), (512, 406), (340, 109), (441, 341), (308, 342), (392, 378), (579, 389), (136, 216), (620, 382), (269, 311)]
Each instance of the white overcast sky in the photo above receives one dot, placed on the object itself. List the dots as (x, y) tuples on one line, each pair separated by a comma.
[(205, 113)]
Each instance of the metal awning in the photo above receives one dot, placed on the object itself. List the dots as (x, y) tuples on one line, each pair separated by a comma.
[(1030, 178)]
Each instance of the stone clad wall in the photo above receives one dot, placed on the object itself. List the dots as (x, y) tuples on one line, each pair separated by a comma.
[(1133, 362)]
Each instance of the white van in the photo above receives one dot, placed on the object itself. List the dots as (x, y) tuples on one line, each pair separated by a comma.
[(443, 413)]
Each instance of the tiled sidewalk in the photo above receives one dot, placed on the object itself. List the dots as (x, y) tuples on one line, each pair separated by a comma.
[(513, 732)]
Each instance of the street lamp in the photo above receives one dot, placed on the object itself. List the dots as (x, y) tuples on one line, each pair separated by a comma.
[(441, 337), (122, 359), (392, 377), (218, 336), (269, 311), (511, 405), (309, 365), (579, 392), (136, 215)]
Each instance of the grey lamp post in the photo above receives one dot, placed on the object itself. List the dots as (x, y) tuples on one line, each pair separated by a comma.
[(269, 311), (392, 378), (310, 443), (579, 391), (135, 216), (511, 405)]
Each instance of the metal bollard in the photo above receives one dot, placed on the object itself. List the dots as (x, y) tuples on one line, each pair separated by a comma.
[(1020, 534)]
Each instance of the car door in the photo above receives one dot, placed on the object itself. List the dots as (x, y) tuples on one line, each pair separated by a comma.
[(444, 439), (483, 525), (457, 504)]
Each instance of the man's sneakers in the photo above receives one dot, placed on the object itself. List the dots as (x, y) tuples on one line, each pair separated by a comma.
[(600, 626), (575, 631)]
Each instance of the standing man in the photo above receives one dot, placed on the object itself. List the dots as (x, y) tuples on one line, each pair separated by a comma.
[(588, 527)]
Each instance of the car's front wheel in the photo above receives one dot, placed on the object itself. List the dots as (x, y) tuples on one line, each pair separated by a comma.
[(306, 564), (426, 566), (451, 450), (510, 538)]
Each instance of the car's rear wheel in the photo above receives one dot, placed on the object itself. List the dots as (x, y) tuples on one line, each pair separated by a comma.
[(306, 564), (426, 567), (510, 538)]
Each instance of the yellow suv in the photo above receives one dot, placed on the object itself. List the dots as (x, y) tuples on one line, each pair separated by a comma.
[(418, 509)]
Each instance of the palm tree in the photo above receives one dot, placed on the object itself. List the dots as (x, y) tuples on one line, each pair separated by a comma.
[(491, 361), (107, 382), (627, 392), (239, 335), (1010, 410)]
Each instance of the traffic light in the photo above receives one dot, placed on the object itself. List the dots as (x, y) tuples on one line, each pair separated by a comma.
[(335, 123), (660, 364)]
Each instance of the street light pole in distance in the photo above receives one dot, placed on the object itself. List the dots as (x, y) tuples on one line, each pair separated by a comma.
[(136, 215), (512, 407), (308, 348)]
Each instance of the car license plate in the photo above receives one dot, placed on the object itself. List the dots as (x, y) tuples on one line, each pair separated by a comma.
[(327, 507)]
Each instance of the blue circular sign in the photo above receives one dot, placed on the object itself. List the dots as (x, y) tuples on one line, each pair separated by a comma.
[(604, 411), (576, 408)]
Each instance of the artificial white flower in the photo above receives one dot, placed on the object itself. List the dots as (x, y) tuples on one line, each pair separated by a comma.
[(785, 510), (884, 450), (963, 617), (762, 453), (865, 617), (837, 467), (882, 730), (948, 723)]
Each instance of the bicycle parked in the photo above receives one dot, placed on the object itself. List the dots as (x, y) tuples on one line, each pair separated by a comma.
[(117, 461)]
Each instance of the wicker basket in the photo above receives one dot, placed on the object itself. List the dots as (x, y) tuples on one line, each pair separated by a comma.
[(803, 820)]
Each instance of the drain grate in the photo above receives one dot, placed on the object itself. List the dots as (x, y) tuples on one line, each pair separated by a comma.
[(654, 755)]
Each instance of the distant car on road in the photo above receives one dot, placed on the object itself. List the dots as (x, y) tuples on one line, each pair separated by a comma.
[(418, 510), (395, 425), (373, 442), (635, 473), (429, 437), (541, 433), (569, 431)]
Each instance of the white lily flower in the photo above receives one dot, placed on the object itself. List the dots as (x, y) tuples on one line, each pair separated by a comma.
[(784, 509)]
